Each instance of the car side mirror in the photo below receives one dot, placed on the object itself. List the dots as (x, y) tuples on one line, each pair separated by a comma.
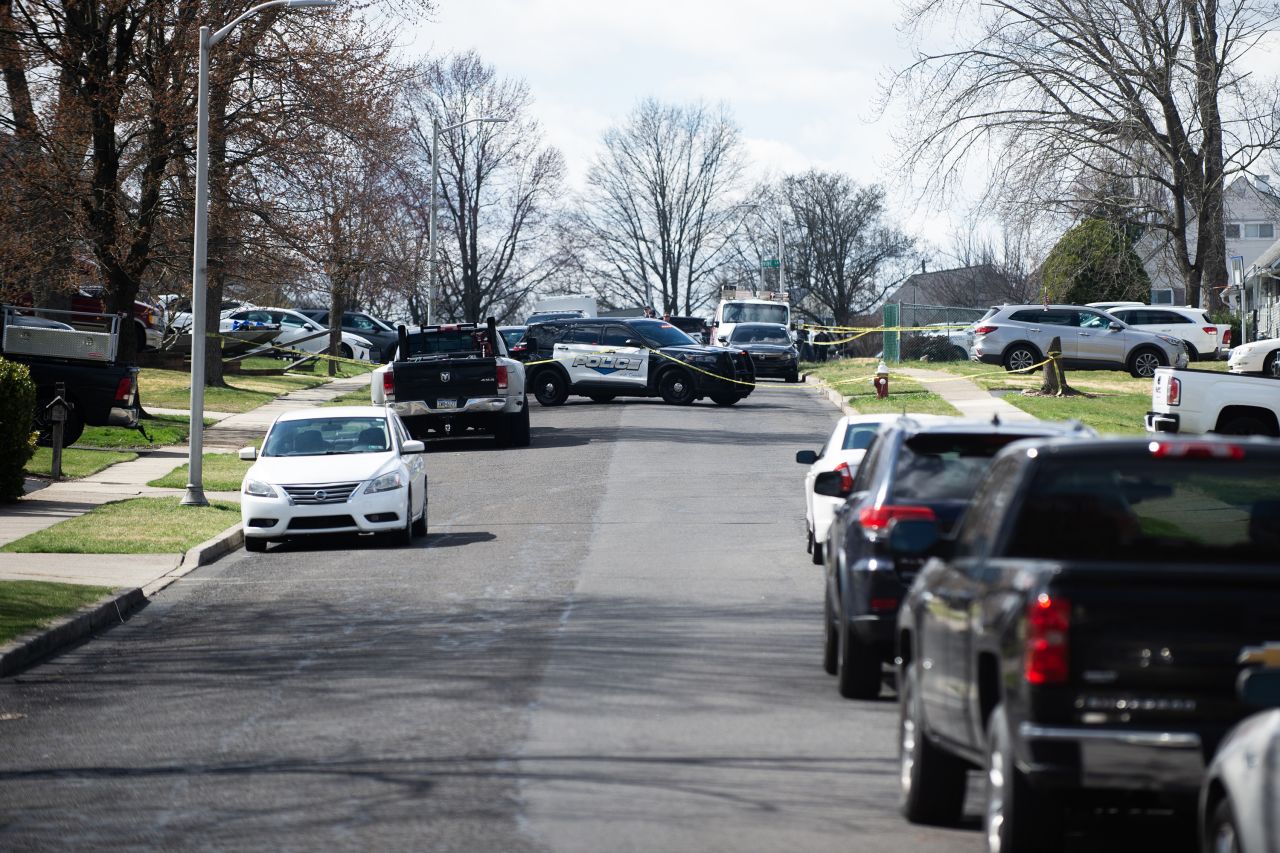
[(1259, 688), (806, 457), (1116, 327), (912, 536), (828, 483), (413, 446), (722, 339), (248, 454), (632, 342)]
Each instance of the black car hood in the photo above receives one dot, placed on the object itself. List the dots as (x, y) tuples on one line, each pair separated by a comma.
[(697, 349), (766, 349)]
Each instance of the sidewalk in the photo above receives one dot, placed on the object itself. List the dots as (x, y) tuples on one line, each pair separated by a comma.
[(972, 401)]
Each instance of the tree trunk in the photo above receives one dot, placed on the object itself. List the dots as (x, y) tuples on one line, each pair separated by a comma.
[(1055, 376)]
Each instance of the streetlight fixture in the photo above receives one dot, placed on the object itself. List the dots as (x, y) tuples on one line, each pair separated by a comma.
[(195, 445), (436, 130)]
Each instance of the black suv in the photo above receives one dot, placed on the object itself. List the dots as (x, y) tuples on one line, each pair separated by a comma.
[(603, 358), (913, 470)]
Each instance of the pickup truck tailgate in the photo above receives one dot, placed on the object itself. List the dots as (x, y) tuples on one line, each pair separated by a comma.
[(445, 383)]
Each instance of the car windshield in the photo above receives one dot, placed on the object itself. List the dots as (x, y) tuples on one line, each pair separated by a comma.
[(859, 436), (512, 336), (327, 436), (474, 341), (760, 335), (944, 467), (659, 334), (1144, 509), (740, 312)]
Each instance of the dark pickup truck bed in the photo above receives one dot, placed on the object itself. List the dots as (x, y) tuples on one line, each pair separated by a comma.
[(1079, 637)]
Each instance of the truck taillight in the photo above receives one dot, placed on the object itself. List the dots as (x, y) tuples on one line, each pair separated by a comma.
[(1047, 644), (878, 517), (1210, 330), (1173, 396), (502, 377), (124, 390), (1226, 337), (389, 385)]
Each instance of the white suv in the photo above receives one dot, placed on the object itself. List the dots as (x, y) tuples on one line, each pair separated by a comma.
[(1202, 338)]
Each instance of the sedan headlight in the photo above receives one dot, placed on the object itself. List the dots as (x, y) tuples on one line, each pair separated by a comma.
[(385, 483), (259, 489)]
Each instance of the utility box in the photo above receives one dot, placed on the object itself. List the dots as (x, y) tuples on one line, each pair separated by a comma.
[(44, 337)]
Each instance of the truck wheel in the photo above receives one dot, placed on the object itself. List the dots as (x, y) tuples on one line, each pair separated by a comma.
[(520, 427), (1016, 818), (725, 399), (255, 544), (550, 388), (1143, 363), (857, 667), (931, 782), (72, 429), (1245, 425), (676, 387), (1020, 358)]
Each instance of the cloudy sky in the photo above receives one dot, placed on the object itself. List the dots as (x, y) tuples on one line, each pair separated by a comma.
[(802, 78)]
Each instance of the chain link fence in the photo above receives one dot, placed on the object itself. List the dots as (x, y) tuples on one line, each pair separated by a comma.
[(935, 332)]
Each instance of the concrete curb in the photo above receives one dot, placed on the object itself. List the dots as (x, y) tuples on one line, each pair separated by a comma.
[(25, 650), (836, 398)]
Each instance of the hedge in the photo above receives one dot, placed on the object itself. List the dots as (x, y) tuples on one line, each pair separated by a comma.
[(17, 441)]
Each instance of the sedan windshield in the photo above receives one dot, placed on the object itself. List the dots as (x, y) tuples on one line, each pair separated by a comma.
[(761, 335), (659, 334), (327, 436)]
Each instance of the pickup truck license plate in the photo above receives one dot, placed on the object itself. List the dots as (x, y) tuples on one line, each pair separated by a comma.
[(446, 404)]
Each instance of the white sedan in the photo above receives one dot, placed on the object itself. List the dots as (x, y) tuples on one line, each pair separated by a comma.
[(343, 469), (297, 331), (843, 452), (1256, 357)]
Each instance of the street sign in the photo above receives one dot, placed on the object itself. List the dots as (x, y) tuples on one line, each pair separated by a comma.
[(770, 264)]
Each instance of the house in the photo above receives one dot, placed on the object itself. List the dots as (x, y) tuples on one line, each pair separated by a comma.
[(1251, 220), (978, 286), (1262, 295)]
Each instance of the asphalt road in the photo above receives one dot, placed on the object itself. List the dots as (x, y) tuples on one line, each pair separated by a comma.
[(609, 640)]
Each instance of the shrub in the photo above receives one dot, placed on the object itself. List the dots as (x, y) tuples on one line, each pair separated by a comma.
[(17, 441)]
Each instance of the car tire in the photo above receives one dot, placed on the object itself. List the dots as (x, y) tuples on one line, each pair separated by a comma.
[(830, 639), (72, 428), (725, 399), (255, 544), (1271, 364), (404, 536), (1143, 363), (857, 667), (817, 552), (793, 376), (1246, 425), (420, 524), (1015, 817), (602, 398), (550, 387), (676, 387), (520, 427), (931, 782), (345, 352), (1221, 833), (1020, 357), (1193, 354)]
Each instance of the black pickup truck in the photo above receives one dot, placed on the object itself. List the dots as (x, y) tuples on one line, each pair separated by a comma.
[(100, 391), (452, 378), (1077, 639)]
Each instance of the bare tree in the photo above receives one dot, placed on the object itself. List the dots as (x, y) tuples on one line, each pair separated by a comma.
[(1146, 95), (658, 210), (498, 187), (849, 256)]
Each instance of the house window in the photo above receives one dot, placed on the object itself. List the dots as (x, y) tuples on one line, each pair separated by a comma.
[(1259, 231), (1162, 296), (1233, 230)]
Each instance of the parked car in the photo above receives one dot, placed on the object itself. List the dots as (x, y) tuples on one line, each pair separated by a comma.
[(1200, 401), (770, 347), (1018, 337), (1078, 635), (298, 331), (1256, 357), (842, 453), (1202, 339), (544, 316), (1240, 795), (375, 331), (913, 469), (513, 337), (343, 469)]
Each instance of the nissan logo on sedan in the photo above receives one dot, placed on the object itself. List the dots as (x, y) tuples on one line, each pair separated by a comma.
[(320, 494), (444, 377)]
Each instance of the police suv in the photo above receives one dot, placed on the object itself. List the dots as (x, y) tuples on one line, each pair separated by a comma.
[(603, 358)]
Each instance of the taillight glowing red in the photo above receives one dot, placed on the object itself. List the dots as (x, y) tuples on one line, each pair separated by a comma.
[(984, 330), (846, 477), (1173, 396), (1210, 330), (1195, 450), (1226, 337), (878, 517), (1048, 629), (124, 389), (502, 377), (388, 385)]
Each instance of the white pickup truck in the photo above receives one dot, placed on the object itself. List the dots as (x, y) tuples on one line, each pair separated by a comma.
[(1200, 401)]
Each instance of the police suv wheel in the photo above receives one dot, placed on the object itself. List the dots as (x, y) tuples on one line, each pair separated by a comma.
[(676, 387), (550, 388)]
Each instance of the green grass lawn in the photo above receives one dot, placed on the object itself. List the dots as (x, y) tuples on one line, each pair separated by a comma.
[(222, 472), (75, 463), (134, 526), (163, 430), (351, 398), (27, 605), (171, 389), (852, 377)]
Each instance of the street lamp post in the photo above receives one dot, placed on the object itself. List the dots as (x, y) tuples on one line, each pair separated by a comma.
[(752, 205), (195, 446), (436, 130)]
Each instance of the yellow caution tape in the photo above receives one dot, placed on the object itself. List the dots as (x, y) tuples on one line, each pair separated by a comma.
[(291, 351)]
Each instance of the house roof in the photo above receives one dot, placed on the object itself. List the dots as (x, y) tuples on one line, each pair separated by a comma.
[(1270, 258), (977, 286)]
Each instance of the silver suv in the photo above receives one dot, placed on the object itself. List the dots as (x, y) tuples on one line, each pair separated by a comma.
[(1018, 336)]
